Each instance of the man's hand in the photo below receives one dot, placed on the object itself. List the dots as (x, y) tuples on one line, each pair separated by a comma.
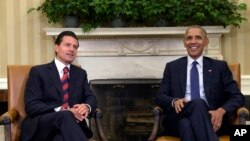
[(216, 118), (77, 115), (179, 104), (83, 109), (80, 111)]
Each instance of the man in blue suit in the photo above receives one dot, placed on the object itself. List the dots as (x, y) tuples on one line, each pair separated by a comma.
[(204, 116), (56, 111)]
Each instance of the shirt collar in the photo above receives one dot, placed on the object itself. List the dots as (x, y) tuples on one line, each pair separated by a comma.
[(199, 60), (60, 65)]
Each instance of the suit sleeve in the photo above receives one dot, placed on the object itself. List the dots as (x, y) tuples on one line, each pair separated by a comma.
[(163, 98), (34, 104), (89, 97), (233, 96)]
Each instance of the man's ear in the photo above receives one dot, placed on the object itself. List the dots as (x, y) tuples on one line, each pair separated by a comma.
[(207, 41)]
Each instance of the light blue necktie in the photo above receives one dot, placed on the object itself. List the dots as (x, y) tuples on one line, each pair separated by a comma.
[(194, 78)]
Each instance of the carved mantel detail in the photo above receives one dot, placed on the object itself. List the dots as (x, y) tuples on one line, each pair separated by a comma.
[(140, 41)]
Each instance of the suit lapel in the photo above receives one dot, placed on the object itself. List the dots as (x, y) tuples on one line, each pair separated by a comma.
[(72, 79), (53, 72), (207, 74), (183, 74)]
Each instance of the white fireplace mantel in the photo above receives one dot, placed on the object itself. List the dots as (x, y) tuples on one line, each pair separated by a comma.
[(145, 41), (108, 53)]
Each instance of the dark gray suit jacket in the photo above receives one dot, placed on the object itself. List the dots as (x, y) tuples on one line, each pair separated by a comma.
[(44, 93), (220, 88)]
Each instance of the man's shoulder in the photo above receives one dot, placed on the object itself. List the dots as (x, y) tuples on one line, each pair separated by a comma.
[(207, 60), (41, 66), (215, 61), (77, 68), (179, 60)]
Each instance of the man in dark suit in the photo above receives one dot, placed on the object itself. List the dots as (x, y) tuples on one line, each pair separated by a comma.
[(202, 116), (56, 110)]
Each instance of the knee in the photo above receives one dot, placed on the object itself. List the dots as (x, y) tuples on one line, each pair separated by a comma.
[(199, 105), (65, 115), (64, 118), (184, 123)]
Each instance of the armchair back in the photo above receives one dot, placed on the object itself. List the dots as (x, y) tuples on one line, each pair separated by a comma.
[(17, 76)]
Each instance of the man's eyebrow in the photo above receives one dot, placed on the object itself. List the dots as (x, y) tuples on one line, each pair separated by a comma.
[(194, 36)]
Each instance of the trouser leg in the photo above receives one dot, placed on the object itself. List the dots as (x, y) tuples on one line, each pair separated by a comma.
[(186, 130), (60, 125), (197, 113)]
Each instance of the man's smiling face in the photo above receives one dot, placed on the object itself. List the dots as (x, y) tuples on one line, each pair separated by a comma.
[(195, 41)]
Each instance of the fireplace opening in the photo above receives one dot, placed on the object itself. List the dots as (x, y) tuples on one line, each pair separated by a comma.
[(127, 107)]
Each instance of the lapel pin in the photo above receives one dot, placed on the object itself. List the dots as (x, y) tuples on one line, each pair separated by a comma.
[(209, 70)]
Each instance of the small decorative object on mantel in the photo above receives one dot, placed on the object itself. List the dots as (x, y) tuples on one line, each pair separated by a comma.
[(60, 11), (71, 21), (145, 13)]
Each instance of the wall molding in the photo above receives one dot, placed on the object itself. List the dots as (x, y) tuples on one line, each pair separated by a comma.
[(245, 84), (134, 31), (3, 84)]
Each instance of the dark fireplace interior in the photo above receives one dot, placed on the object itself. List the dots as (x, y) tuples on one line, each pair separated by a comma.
[(127, 107)]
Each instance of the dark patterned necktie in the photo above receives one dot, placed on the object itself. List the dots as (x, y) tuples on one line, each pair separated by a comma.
[(65, 87), (194, 78)]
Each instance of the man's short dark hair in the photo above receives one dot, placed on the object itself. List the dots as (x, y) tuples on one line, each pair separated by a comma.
[(65, 33), (204, 33)]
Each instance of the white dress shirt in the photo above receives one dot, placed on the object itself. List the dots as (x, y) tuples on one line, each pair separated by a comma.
[(200, 71)]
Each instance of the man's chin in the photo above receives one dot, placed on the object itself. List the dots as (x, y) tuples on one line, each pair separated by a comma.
[(69, 61)]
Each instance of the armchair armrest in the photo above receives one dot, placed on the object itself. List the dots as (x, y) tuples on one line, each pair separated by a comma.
[(98, 116), (157, 111), (8, 117), (242, 115), (6, 120)]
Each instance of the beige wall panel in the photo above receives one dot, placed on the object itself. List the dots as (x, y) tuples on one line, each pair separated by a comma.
[(236, 44), (3, 39), (246, 35), (10, 22), (23, 33), (17, 32)]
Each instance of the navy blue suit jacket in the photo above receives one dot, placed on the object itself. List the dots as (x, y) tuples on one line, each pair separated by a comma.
[(220, 88), (44, 93)]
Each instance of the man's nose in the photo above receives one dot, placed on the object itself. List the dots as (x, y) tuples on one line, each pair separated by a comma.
[(193, 40), (72, 48)]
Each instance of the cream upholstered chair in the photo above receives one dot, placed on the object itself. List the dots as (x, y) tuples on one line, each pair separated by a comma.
[(17, 76), (240, 116)]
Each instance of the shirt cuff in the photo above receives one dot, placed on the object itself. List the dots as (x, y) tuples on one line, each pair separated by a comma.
[(57, 109), (89, 108), (174, 101)]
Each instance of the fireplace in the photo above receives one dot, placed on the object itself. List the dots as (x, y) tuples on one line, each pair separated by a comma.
[(127, 107)]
